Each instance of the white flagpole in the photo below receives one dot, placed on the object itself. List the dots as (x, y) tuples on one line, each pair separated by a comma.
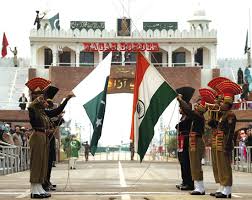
[(249, 41), (249, 29)]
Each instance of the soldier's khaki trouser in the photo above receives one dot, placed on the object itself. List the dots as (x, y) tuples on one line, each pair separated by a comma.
[(223, 160), (214, 159), (196, 150), (39, 157)]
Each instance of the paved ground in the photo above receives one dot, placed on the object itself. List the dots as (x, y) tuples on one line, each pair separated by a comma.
[(99, 180)]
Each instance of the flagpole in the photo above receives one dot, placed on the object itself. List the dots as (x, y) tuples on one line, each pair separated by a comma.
[(249, 29), (249, 37)]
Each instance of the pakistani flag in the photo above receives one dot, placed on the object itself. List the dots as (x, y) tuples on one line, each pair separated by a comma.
[(54, 22), (152, 94), (91, 93)]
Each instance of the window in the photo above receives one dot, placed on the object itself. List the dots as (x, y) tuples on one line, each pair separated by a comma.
[(48, 59), (130, 58), (86, 58), (105, 54), (116, 58), (156, 57), (65, 58), (178, 58), (199, 56)]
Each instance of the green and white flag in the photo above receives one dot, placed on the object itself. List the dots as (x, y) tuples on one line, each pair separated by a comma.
[(54, 22), (152, 94), (91, 92)]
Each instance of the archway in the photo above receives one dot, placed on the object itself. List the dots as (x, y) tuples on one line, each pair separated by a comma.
[(181, 57)]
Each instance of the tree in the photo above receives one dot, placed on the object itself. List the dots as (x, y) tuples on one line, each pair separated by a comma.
[(172, 145)]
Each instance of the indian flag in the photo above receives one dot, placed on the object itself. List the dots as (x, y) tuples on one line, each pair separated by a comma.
[(91, 92), (152, 94)]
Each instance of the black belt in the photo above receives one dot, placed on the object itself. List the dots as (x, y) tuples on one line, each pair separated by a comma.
[(184, 133), (41, 130)]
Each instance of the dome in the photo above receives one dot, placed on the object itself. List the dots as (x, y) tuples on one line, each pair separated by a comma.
[(199, 12)]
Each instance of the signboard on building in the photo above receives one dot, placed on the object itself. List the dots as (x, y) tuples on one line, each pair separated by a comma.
[(87, 25), (121, 46), (124, 27), (120, 85), (160, 26)]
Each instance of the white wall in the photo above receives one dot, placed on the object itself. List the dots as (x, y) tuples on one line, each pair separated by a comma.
[(206, 58), (40, 57)]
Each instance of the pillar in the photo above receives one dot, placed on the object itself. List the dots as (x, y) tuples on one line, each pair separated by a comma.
[(55, 53), (77, 58), (123, 58), (170, 57), (164, 59), (192, 57), (213, 63), (33, 61)]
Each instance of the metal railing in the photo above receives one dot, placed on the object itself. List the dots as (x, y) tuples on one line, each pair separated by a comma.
[(246, 105), (13, 158), (122, 154), (125, 63), (241, 160)]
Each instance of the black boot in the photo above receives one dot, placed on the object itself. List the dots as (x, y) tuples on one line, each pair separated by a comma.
[(213, 194), (221, 195), (187, 187), (37, 196), (197, 193)]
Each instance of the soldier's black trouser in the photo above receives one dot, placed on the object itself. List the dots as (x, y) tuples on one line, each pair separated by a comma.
[(51, 158), (185, 168)]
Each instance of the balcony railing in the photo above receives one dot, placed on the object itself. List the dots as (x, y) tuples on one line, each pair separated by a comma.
[(119, 63)]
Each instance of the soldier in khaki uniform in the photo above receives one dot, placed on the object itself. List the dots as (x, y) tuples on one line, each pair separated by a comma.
[(196, 144), (215, 114), (38, 141), (38, 146), (224, 137)]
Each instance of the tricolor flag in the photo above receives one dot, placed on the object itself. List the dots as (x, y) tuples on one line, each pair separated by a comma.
[(152, 94), (4, 46), (91, 92)]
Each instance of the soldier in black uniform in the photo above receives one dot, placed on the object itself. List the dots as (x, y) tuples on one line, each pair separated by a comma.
[(183, 128), (55, 115)]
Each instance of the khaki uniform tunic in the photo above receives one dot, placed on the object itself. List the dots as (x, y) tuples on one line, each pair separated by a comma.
[(38, 143)]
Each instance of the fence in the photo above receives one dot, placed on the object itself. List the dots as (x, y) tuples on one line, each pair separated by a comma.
[(241, 158), (125, 156), (13, 159)]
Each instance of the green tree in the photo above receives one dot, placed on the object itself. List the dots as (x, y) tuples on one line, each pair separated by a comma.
[(172, 144)]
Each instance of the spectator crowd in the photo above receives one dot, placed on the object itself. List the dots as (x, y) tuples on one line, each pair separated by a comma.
[(17, 136)]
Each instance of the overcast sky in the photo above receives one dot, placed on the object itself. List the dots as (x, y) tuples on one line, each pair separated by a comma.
[(229, 17)]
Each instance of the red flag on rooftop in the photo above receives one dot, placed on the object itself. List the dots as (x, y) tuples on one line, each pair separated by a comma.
[(4, 46)]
